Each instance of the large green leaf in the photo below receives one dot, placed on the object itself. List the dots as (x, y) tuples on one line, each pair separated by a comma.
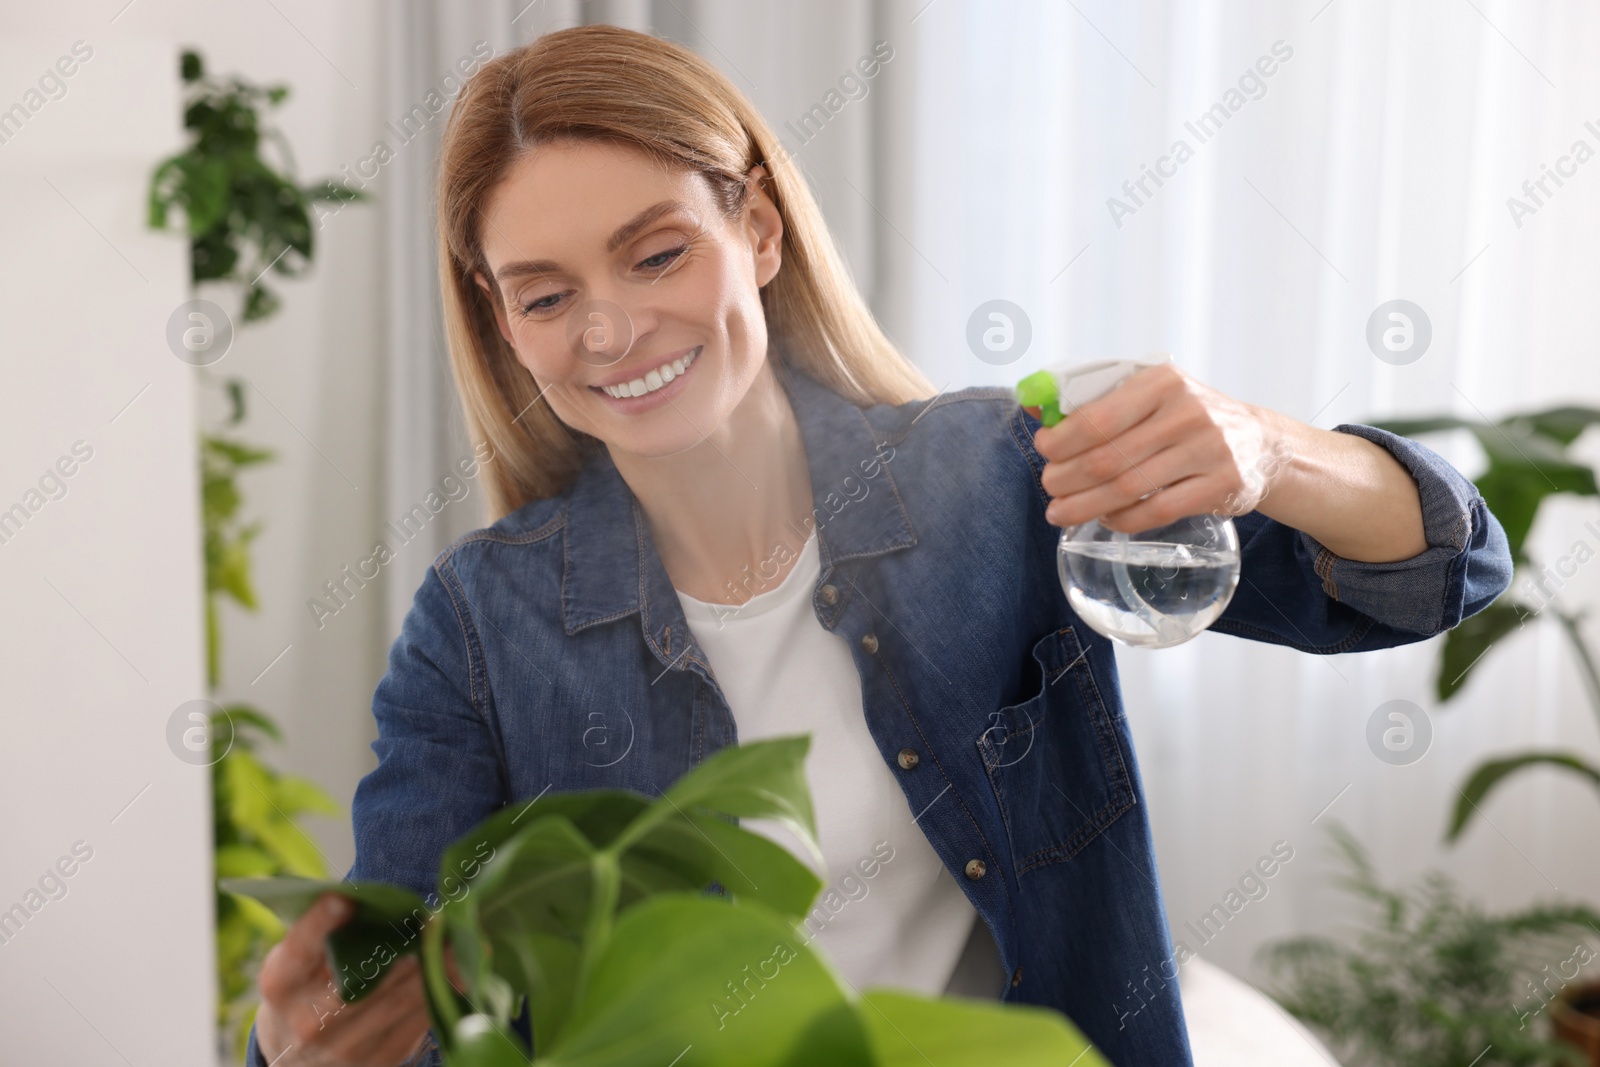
[(1416, 427), (765, 780), (1466, 644), (1492, 772), (694, 981), (1523, 470), (530, 882), (912, 1031), (1563, 424), (520, 921), (384, 928), (703, 848), (598, 814)]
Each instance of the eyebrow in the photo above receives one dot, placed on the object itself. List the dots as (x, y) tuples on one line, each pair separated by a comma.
[(624, 233)]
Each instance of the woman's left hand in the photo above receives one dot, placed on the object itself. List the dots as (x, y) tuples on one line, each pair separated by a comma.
[(1161, 446), (1158, 447)]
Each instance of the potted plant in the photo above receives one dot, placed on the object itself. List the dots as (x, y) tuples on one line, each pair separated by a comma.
[(1431, 980), (1528, 462), (244, 218), (619, 930)]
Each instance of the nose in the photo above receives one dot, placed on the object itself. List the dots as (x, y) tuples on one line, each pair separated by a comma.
[(602, 331)]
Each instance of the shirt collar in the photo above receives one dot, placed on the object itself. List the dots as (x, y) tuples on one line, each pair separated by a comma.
[(611, 568)]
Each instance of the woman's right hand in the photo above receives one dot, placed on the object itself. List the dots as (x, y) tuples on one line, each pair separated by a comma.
[(302, 1021)]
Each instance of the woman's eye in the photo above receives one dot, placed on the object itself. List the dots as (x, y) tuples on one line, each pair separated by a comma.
[(542, 304), (665, 258)]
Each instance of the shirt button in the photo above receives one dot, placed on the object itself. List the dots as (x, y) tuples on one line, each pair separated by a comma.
[(1016, 979), (830, 595), (909, 759), (869, 644), (976, 869)]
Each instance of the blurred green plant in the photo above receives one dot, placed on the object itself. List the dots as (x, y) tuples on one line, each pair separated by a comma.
[(1528, 462), (1430, 980), (632, 929), (243, 218), (254, 813)]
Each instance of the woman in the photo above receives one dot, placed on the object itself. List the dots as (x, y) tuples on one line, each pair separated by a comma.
[(728, 508)]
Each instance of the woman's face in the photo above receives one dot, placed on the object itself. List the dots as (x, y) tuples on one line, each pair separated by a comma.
[(625, 292)]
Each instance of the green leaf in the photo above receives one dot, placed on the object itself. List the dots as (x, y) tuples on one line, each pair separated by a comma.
[(291, 845), (529, 871), (240, 455), (1466, 644), (911, 1031), (244, 861), (295, 796), (232, 573), (1563, 424), (235, 389), (694, 981), (1492, 772), (386, 926), (338, 192), (764, 780), (260, 302), (1417, 427), (530, 904), (599, 814), (703, 848), (484, 1042), (1524, 468), (243, 716)]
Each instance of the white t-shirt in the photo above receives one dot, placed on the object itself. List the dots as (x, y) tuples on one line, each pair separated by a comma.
[(889, 913)]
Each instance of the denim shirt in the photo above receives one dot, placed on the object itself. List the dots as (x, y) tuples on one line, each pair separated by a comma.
[(549, 652)]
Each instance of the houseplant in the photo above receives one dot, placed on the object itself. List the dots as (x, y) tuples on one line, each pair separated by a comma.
[(1528, 462), (244, 218), (1431, 980), (640, 933)]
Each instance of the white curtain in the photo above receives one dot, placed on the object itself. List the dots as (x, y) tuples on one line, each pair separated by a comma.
[(1373, 163)]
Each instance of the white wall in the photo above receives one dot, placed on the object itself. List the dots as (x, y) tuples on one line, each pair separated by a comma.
[(83, 334), (101, 639)]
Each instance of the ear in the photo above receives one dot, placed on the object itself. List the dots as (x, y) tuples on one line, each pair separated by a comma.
[(495, 302), (764, 224)]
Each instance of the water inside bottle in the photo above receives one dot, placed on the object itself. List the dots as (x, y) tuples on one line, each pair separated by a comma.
[(1148, 594)]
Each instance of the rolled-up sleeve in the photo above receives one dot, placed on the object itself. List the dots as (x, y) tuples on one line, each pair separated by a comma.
[(1295, 591)]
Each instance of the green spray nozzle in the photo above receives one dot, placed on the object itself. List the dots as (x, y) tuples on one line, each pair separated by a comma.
[(1038, 390)]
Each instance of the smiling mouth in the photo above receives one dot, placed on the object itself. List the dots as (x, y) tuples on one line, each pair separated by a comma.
[(658, 378)]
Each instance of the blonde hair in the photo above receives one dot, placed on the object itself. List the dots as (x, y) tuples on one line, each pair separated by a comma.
[(611, 84)]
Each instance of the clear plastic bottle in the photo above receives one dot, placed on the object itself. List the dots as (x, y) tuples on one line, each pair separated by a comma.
[(1151, 589)]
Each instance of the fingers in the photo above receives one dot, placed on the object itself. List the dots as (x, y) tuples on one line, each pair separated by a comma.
[(379, 1029), (1102, 420), (1191, 496), (384, 1026), (300, 959), (1166, 468), (1110, 459)]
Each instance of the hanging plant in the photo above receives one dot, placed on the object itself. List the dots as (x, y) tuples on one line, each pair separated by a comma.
[(244, 218)]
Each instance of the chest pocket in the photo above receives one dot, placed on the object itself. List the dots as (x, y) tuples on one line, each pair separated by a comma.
[(1055, 760)]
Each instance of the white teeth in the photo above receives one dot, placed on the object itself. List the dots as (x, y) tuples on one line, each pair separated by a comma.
[(652, 381)]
